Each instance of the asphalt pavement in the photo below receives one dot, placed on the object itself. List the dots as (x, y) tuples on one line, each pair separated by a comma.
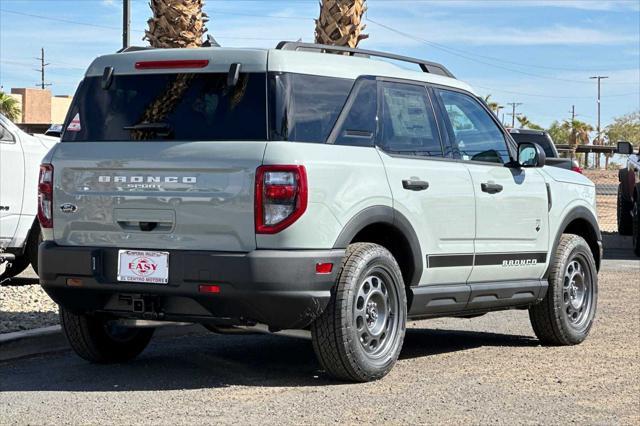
[(484, 370)]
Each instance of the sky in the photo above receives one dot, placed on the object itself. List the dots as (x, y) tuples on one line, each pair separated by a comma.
[(538, 53)]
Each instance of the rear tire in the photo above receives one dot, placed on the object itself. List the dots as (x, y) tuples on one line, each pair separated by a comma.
[(360, 334), (35, 238), (15, 267), (98, 340), (625, 222), (565, 315)]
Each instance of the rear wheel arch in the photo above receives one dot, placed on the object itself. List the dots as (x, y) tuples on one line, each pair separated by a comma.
[(580, 221), (389, 228)]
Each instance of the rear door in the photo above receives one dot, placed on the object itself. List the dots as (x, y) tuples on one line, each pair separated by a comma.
[(163, 160), (11, 183), (512, 226), (429, 188)]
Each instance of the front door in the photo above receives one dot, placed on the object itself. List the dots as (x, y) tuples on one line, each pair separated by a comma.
[(512, 226)]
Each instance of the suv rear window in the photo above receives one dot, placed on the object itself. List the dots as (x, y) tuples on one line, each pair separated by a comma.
[(180, 107)]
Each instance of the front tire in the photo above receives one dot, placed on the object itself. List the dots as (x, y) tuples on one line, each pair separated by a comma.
[(636, 227), (360, 334), (565, 315), (100, 341)]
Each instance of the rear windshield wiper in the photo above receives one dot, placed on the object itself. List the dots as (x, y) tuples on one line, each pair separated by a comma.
[(160, 128)]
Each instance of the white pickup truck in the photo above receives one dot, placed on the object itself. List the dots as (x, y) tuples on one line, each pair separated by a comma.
[(20, 156)]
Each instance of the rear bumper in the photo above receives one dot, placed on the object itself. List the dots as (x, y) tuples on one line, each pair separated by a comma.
[(279, 288)]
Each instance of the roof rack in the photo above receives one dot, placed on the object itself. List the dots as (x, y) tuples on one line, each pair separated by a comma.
[(426, 66)]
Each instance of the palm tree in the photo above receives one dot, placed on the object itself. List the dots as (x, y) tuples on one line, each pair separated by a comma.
[(493, 105), (524, 122), (340, 22), (10, 107), (579, 132), (176, 23)]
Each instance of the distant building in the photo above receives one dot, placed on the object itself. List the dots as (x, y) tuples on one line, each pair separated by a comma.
[(40, 106)]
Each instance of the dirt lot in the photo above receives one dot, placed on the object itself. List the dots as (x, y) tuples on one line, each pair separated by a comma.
[(606, 203), (484, 370)]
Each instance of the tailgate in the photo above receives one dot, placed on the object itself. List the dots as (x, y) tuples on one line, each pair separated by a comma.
[(156, 194)]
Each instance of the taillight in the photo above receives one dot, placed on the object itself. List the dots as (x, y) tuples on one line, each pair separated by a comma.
[(577, 169), (45, 196), (280, 198)]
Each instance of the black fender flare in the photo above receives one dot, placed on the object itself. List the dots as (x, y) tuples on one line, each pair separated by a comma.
[(579, 212), (390, 216)]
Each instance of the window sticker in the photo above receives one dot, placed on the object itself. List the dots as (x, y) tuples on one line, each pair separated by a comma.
[(75, 126)]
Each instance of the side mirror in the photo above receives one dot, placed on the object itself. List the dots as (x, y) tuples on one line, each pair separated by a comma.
[(624, 148), (531, 155)]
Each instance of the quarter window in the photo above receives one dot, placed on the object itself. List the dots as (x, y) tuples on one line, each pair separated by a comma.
[(305, 107), (408, 124), (359, 125), (5, 135), (474, 133)]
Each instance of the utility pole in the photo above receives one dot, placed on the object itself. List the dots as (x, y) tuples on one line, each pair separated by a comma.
[(126, 22), (42, 84), (573, 114), (514, 105), (599, 78)]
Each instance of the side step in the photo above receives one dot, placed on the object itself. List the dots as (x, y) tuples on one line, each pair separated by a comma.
[(456, 299)]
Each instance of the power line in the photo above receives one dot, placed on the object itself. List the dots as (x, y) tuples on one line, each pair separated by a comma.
[(468, 56)]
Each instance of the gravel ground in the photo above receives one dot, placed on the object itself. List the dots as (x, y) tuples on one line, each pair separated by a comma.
[(24, 305), (455, 371)]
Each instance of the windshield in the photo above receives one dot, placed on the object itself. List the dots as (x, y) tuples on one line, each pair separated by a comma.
[(169, 107), (540, 138)]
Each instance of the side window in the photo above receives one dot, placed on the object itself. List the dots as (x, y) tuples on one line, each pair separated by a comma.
[(476, 135), (408, 125), (5, 135), (359, 126)]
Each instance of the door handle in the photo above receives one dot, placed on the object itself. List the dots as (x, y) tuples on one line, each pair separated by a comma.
[(491, 188), (415, 185)]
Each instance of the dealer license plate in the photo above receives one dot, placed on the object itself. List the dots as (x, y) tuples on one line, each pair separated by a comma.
[(142, 266)]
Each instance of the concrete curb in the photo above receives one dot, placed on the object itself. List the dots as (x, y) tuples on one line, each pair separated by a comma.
[(41, 341)]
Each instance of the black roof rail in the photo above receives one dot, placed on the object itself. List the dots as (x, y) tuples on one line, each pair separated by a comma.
[(426, 66), (134, 49)]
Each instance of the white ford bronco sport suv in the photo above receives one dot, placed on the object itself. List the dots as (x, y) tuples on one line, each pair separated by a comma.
[(296, 188)]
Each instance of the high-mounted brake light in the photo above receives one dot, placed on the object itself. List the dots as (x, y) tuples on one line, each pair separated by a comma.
[(280, 197), (45, 196), (183, 63)]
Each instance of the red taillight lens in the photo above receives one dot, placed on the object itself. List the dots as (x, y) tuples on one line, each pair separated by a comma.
[(183, 63), (280, 198), (576, 169), (45, 196)]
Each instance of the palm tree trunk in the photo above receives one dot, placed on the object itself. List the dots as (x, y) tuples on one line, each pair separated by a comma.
[(176, 23), (340, 22)]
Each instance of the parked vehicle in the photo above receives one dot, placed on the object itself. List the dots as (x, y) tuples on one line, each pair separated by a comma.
[(298, 189), (20, 157), (544, 139), (629, 195)]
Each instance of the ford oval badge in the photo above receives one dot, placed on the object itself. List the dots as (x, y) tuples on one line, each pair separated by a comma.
[(68, 208)]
